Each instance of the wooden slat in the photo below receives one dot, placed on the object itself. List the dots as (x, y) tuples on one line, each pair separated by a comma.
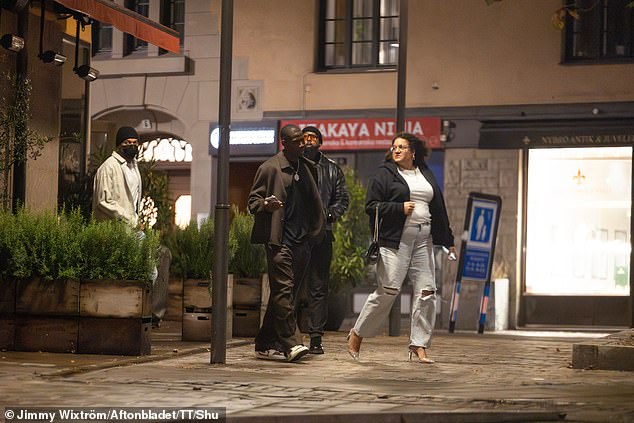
[(43, 297), (46, 333), (114, 336), (120, 299), (7, 331)]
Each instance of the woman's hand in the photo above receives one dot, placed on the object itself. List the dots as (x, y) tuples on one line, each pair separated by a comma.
[(408, 207)]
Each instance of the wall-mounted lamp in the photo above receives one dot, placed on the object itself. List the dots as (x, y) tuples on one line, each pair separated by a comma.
[(85, 72), (12, 42), (48, 56)]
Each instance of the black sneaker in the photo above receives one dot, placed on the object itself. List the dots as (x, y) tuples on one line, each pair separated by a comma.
[(315, 345)]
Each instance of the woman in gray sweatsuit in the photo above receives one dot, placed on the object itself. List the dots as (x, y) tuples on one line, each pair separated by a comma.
[(412, 218)]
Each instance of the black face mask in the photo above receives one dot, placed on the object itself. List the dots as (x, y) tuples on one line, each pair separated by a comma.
[(129, 152), (311, 152)]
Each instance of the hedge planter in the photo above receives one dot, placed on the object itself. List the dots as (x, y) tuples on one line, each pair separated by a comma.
[(92, 317), (46, 315), (7, 314), (115, 317), (197, 309)]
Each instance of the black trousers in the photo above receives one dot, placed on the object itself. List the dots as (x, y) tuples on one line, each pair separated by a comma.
[(314, 299), (287, 268)]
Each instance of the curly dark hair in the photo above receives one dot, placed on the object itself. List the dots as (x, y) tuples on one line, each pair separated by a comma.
[(417, 145)]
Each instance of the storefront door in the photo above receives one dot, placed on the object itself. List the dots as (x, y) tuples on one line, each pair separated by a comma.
[(578, 229)]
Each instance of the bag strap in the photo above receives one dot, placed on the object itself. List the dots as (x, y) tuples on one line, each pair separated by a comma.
[(376, 224)]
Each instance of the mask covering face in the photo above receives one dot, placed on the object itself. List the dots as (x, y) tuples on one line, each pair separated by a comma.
[(311, 151), (129, 152)]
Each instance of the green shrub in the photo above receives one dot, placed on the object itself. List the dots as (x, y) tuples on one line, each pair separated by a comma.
[(193, 250), (248, 260), (61, 246), (352, 237)]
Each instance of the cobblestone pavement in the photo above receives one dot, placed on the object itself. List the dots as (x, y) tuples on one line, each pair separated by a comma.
[(473, 374)]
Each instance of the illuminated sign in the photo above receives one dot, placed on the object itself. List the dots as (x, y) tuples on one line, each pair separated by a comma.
[(247, 138), (369, 134), (166, 150)]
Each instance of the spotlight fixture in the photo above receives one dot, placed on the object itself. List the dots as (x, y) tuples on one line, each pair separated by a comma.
[(87, 73), (50, 56), (12, 42)]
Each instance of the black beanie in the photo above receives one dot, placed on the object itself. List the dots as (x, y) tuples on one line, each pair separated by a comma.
[(124, 133), (315, 131)]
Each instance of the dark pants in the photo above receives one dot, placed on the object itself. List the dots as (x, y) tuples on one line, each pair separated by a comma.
[(287, 268), (315, 289)]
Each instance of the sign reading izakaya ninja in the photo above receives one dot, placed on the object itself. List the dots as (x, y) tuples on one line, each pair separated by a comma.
[(369, 134)]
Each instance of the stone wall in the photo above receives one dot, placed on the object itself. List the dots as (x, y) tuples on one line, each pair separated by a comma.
[(494, 172)]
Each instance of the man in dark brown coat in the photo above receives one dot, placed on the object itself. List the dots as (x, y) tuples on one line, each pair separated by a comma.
[(289, 218)]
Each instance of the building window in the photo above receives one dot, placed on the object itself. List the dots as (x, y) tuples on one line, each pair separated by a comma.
[(142, 7), (603, 32), (358, 34), (173, 16), (101, 38)]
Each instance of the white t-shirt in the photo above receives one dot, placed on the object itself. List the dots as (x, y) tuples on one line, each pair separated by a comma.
[(421, 193), (134, 182)]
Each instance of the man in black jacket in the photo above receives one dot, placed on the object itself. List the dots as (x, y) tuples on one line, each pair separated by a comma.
[(286, 205), (334, 196)]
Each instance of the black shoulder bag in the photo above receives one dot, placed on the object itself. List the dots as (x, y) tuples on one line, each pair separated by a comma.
[(372, 254)]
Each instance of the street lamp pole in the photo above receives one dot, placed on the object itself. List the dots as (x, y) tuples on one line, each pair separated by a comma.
[(221, 219), (395, 312)]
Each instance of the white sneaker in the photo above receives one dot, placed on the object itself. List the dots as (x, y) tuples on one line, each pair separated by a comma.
[(297, 352), (271, 355)]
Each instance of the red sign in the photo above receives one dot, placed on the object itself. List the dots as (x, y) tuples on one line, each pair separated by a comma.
[(369, 134)]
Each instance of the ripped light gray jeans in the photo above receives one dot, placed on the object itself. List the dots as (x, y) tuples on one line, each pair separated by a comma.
[(414, 260)]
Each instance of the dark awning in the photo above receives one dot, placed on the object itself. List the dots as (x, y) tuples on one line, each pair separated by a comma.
[(126, 20), (557, 133)]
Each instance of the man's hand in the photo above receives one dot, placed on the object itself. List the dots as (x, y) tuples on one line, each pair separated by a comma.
[(272, 203)]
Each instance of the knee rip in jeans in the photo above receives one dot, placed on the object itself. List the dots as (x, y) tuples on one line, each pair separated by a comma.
[(390, 290), (426, 294)]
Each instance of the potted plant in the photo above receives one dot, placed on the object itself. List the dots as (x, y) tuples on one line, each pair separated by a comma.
[(351, 237), (79, 287), (250, 289)]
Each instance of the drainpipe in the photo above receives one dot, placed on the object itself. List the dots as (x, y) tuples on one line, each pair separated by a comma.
[(19, 168)]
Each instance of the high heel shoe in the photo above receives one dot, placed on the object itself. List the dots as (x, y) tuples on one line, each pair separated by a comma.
[(424, 360), (353, 350)]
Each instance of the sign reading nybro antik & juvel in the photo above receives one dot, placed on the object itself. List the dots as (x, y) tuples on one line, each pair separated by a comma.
[(590, 140), (573, 133), (369, 134)]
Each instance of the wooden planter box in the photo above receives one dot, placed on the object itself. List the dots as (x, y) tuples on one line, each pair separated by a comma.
[(197, 309), (96, 317), (46, 315), (115, 317), (7, 314)]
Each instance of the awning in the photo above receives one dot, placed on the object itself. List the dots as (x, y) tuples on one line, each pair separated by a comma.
[(126, 20)]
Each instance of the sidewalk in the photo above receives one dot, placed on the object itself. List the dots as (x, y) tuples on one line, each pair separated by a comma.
[(477, 378)]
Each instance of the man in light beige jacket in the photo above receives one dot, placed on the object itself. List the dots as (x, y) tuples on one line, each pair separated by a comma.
[(117, 185)]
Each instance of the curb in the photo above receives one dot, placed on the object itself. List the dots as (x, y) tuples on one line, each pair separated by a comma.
[(138, 360), (429, 417), (613, 352)]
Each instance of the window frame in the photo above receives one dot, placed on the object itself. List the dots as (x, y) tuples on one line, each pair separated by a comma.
[(600, 35), (376, 40)]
